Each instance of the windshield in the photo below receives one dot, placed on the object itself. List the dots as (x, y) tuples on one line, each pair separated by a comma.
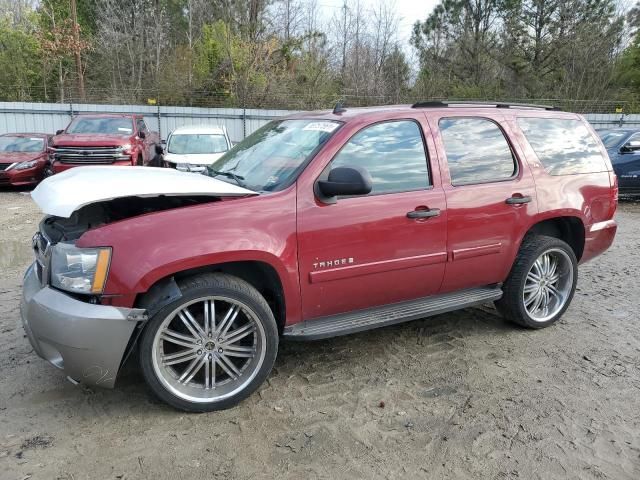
[(186, 144), (611, 138), (105, 125), (21, 144), (271, 157)]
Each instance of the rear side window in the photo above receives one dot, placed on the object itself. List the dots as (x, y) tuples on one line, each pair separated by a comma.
[(477, 151), (564, 146), (392, 152)]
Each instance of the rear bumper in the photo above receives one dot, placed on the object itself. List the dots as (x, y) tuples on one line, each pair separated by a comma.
[(598, 239), (86, 341)]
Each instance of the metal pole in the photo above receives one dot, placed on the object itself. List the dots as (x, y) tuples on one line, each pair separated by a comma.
[(244, 123)]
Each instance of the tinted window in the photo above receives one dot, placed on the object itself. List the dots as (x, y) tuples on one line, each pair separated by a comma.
[(612, 138), (392, 152), (563, 146), (476, 150), (142, 127)]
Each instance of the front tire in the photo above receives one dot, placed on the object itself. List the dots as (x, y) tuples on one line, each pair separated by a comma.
[(541, 283), (211, 348)]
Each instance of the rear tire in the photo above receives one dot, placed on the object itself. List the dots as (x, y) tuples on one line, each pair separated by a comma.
[(541, 283), (211, 348)]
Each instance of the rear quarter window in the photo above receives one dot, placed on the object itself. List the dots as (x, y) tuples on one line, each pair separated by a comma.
[(563, 146)]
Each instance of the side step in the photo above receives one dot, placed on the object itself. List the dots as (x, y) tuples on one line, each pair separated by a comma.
[(351, 322)]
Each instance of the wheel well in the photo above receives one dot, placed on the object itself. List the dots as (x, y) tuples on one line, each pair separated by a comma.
[(568, 229), (262, 276)]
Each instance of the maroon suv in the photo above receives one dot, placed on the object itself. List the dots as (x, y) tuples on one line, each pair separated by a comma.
[(316, 225), (103, 139)]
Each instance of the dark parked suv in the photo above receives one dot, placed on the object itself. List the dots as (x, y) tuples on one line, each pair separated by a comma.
[(317, 225), (623, 147)]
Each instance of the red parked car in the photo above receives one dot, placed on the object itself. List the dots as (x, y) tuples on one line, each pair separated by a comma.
[(23, 158), (103, 139), (317, 225)]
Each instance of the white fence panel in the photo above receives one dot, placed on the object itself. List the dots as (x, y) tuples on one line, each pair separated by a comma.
[(49, 117)]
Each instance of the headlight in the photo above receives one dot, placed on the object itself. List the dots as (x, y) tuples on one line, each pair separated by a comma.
[(25, 165), (126, 149), (79, 270)]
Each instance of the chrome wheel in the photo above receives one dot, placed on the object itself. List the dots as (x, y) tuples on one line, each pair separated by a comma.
[(548, 285), (208, 349)]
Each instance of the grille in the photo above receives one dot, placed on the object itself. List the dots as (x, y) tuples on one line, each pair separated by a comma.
[(42, 250), (89, 155), (4, 166)]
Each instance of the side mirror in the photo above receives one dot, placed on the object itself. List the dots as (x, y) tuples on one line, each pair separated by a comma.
[(58, 132), (142, 135), (346, 181), (159, 150)]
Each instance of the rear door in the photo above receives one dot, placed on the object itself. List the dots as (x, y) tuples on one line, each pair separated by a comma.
[(375, 249), (490, 196)]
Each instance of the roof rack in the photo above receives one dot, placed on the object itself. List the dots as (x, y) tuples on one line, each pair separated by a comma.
[(447, 103)]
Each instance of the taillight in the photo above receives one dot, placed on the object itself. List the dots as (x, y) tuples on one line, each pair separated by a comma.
[(613, 181)]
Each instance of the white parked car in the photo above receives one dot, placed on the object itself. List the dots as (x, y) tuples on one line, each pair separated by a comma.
[(193, 148)]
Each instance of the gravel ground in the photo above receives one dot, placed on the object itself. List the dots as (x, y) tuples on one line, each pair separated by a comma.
[(462, 395)]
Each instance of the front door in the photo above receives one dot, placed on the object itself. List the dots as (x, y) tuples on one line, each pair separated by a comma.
[(626, 163), (380, 248)]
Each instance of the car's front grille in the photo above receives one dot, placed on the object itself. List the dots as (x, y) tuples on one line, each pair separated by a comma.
[(89, 155), (4, 166), (42, 250)]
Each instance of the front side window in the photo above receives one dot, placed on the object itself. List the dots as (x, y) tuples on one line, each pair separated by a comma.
[(102, 125), (142, 127), (564, 146), (188, 144), (392, 152), (9, 143), (477, 151), (272, 157)]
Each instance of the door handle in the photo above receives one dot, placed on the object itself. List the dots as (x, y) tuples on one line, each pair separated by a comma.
[(518, 200), (432, 212)]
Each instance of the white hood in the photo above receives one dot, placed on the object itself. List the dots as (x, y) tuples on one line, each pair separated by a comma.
[(66, 192), (193, 158)]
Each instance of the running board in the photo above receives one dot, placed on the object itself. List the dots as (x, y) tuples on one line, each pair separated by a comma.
[(351, 322)]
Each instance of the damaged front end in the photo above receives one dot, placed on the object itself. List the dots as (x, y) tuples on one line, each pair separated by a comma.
[(62, 309), (65, 315)]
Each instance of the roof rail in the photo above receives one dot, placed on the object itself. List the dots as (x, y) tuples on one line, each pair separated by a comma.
[(451, 103)]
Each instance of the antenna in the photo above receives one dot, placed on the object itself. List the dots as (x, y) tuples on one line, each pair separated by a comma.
[(339, 108)]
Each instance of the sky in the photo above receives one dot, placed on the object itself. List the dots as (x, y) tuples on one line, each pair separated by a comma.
[(408, 11)]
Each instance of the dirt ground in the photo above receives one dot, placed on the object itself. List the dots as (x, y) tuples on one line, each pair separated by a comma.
[(461, 395)]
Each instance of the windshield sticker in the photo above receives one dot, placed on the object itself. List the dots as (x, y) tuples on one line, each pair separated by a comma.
[(321, 126), (124, 129)]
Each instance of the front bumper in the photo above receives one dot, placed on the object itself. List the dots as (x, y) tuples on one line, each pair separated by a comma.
[(16, 178), (87, 341)]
